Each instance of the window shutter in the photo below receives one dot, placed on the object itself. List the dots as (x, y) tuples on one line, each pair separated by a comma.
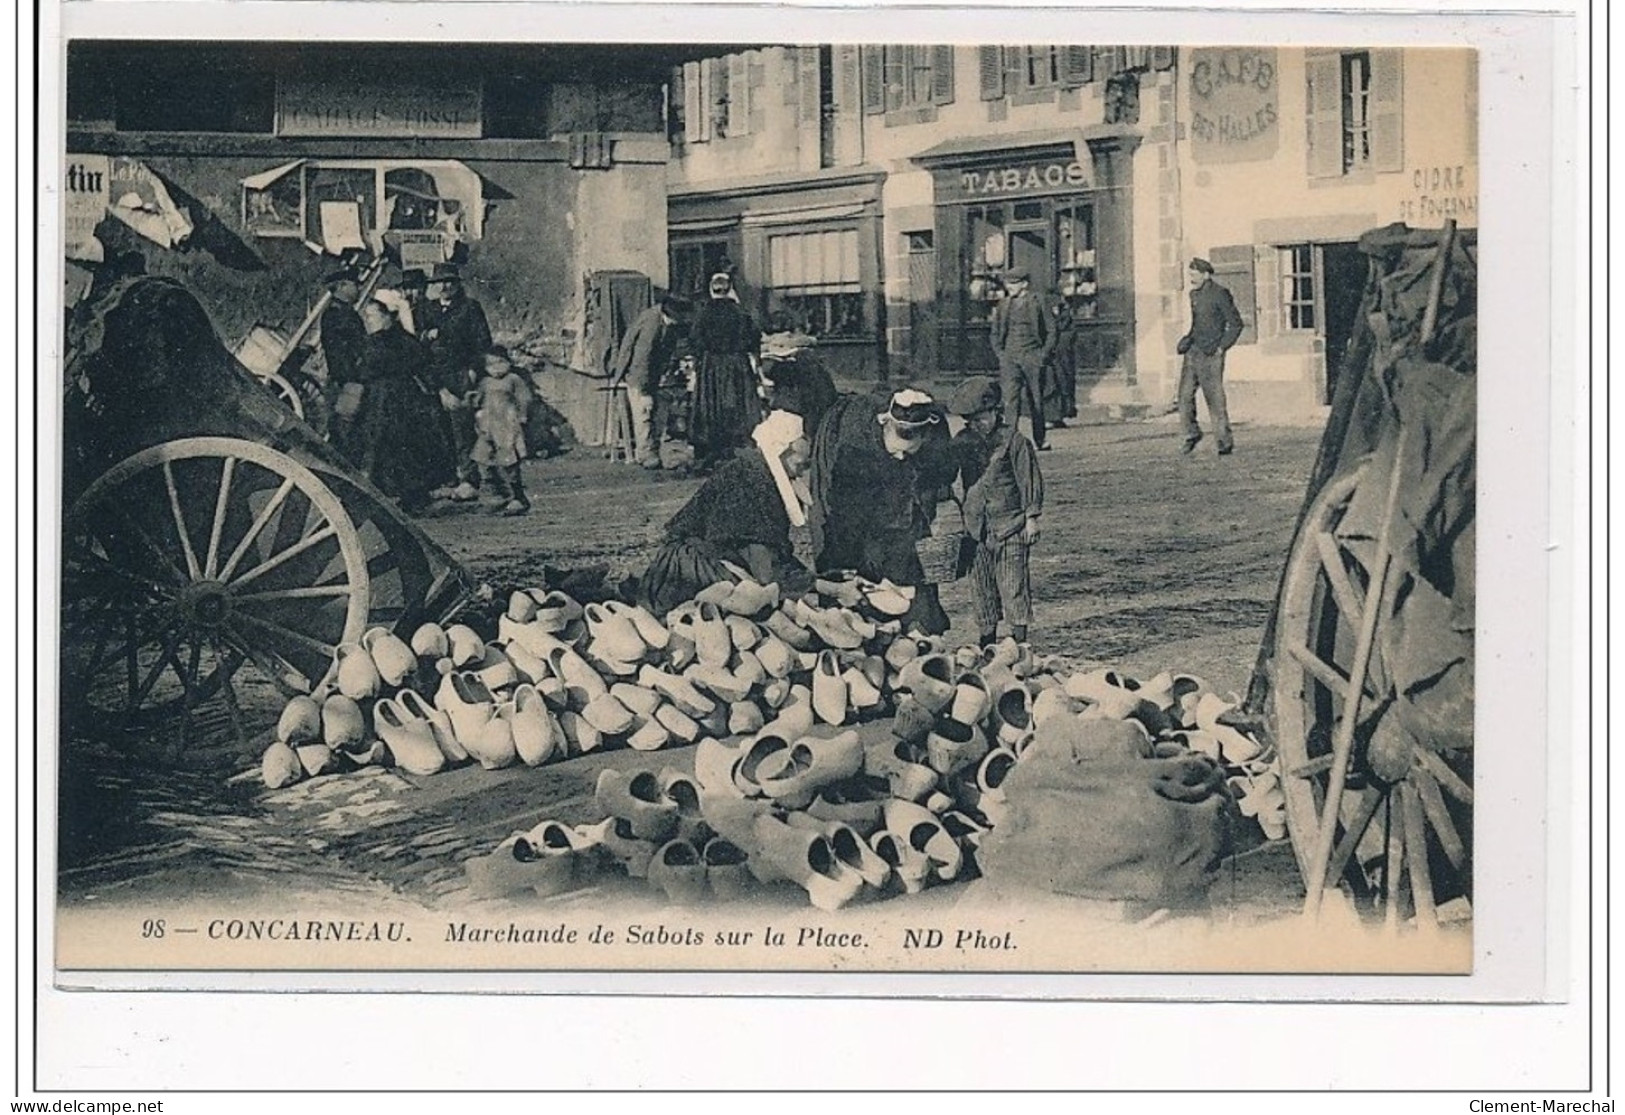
[(1162, 58), (1015, 65), (990, 72), (895, 72), (714, 94), (695, 111), (1325, 103), (807, 83), (1387, 111), (1077, 65), (942, 75), (738, 119), (1233, 270), (873, 62)]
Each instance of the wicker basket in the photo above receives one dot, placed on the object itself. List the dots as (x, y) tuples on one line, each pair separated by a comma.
[(940, 552)]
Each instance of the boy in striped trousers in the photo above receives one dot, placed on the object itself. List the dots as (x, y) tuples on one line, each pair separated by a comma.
[(1003, 501)]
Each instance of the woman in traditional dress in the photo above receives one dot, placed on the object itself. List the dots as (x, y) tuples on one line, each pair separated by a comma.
[(398, 426), (880, 466), (743, 515), (727, 403)]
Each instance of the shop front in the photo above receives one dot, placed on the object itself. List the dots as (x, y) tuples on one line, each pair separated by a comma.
[(805, 256), (1036, 206)]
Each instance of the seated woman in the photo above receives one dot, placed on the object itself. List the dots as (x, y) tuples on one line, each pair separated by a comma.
[(742, 516)]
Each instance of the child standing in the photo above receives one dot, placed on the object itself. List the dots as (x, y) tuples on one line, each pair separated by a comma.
[(1004, 498), (501, 401)]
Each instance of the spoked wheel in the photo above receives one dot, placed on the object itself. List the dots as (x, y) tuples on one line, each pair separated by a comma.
[(1403, 837), (284, 391), (189, 558)]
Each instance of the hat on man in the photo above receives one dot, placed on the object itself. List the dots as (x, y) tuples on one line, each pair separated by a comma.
[(975, 395), (347, 274), (1017, 275), (445, 273), (911, 411), (1202, 265)]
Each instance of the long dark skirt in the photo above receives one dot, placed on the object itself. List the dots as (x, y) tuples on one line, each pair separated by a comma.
[(403, 443), (681, 568), (726, 406)]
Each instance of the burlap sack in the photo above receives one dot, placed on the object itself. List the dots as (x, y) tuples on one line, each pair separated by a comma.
[(1088, 818)]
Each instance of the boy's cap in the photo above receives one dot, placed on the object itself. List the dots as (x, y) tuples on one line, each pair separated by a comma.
[(975, 395), (1202, 265), (498, 352)]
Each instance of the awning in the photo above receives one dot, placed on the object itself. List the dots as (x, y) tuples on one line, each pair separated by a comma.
[(718, 224), (806, 214)]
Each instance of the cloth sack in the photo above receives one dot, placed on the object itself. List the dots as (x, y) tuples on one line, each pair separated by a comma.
[(1086, 818)]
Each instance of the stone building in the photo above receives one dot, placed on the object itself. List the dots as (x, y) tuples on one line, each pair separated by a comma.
[(873, 194)]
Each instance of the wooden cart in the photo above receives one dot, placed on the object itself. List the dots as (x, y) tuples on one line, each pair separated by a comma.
[(1365, 678), (207, 527)]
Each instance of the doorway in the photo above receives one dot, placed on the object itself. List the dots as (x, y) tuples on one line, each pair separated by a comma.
[(1343, 270)]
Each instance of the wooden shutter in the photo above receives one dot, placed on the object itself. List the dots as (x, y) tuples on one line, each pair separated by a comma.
[(1162, 58), (738, 119), (942, 75), (696, 113), (1325, 113), (873, 63), (1387, 111), (1233, 270), (807, 83), (990, 72), (1077, 65), (895, 75)]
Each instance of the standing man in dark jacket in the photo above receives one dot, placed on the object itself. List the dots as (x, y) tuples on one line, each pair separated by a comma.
[(344, 347), (1215, 325), (1023, 336), (458, 341), (647, 353)]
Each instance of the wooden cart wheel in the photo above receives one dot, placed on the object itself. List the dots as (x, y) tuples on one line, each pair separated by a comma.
[(284, 391), (188, 558), (1403, 835)]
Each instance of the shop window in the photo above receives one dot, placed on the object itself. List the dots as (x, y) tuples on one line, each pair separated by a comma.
[(1077, 278), (1355, 113), (814, 283), (693, 262), (1298, 284), (988, 250)]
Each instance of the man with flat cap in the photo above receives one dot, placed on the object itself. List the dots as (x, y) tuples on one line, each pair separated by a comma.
[(344, 347), (1215, 326), (1023, 337)]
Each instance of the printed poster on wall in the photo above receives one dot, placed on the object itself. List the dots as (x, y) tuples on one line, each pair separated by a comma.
[(86, 182), (1235, 104)]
